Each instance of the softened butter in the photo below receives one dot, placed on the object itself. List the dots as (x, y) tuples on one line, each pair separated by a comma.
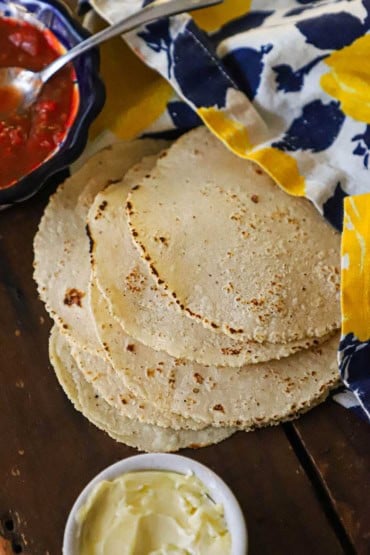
[(152, 513)]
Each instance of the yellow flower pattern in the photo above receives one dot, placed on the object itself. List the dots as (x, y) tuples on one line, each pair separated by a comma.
[(356, 267), (349, 78)]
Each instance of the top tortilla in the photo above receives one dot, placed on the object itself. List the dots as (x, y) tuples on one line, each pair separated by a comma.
[(235, 251), (144, 311)]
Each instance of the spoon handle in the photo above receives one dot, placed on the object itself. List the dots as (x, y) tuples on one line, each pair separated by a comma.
[(149, 13)]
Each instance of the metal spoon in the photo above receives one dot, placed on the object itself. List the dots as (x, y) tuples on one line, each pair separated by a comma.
[(27, 84)]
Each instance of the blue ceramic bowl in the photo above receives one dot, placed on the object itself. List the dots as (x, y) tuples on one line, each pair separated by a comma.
[(54, 16)]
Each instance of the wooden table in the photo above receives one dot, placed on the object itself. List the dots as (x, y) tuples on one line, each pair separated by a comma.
[(304, 486)]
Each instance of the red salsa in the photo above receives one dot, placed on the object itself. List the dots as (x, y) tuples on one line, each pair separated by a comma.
[(28, 138)]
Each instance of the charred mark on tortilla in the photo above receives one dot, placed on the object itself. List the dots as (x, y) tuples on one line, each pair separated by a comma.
[(91, 240), (130, 348), (73, 297), (100, 209), (154, 270), (106, 347), (135, 188), (219, 408), (194, 314), (129, 208)]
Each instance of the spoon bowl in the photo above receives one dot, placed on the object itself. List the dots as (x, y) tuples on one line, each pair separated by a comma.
[(19, 88)]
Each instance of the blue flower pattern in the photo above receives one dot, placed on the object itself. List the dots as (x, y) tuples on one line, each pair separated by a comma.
[(362, 148), (289, 80), (315, 129), (157, 37)]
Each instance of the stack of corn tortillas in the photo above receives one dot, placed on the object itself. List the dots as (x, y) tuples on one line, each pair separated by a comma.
[(191, 296)]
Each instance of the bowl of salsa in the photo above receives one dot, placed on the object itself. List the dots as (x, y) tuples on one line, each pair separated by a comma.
[(47, 137)]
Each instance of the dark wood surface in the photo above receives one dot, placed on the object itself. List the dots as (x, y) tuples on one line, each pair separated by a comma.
[(304, 486)]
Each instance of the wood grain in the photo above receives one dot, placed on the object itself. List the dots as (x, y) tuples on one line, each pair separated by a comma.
[(338, 446)]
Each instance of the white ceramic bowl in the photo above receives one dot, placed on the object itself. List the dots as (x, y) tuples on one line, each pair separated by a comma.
[(219, 491)]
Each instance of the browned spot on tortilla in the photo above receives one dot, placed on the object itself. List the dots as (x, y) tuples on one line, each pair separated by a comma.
[(233, 330), (256, 302), (135, 188), (134, 281), (230, 351), (180, 362), (124, 401), (192, 313), (134, 233), (219, 408), (73, 297), (255, 199), (103, 205), (195, 446), (130, 348), (198, 378), (258, 170), (163, 154), (150, 372), (215, 326), (164, 240)]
